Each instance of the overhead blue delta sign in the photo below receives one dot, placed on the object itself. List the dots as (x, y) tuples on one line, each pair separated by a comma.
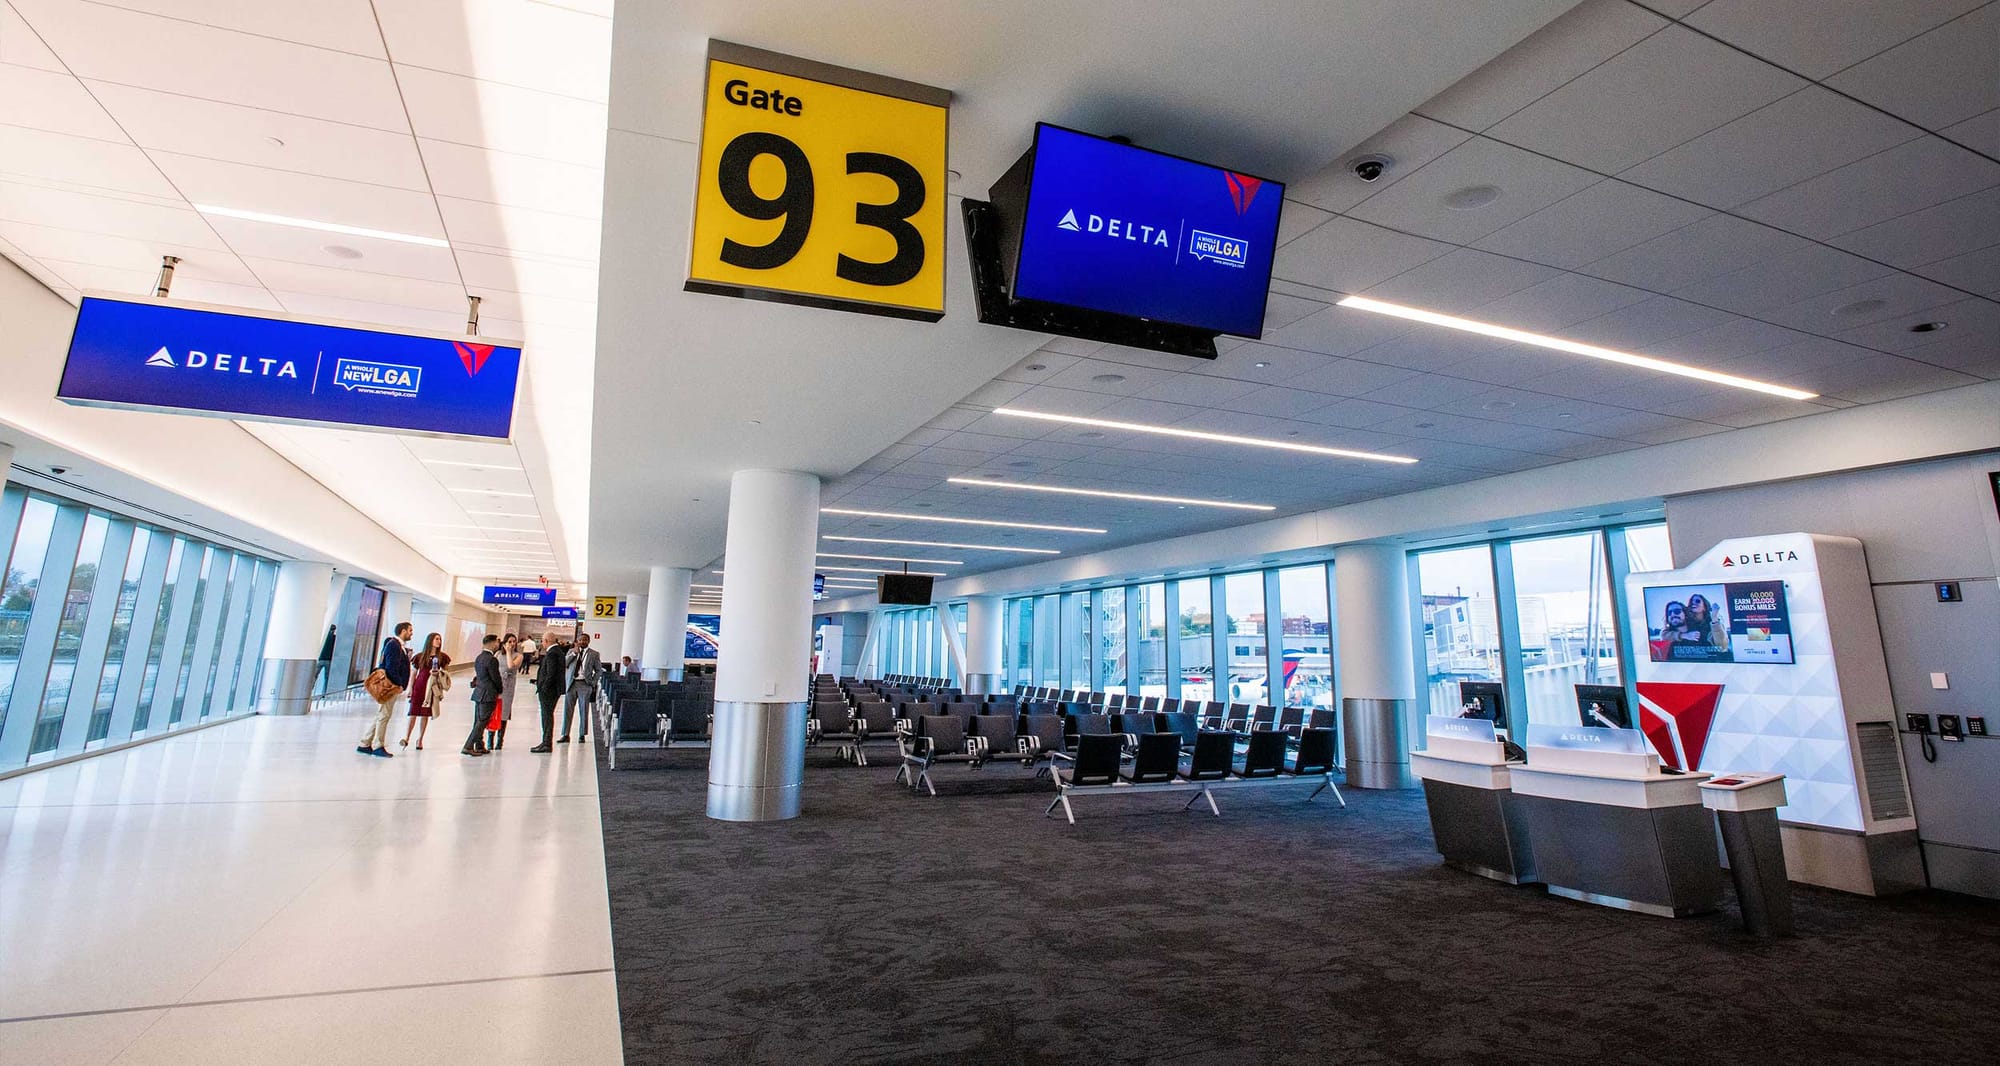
[(149, 354), (517, 596), (563, 613)]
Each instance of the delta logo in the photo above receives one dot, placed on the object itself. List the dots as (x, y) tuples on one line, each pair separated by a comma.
[(474, 356), (1115, 228), (1677, 718), (225, 363), (1242, 189), (1764, 558)]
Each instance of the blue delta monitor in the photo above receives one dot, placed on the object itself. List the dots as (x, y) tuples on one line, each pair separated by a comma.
[(1115, 228), (148, 354)]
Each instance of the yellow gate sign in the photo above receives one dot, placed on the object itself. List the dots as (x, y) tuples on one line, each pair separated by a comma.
[(604, 607), (820, 185)]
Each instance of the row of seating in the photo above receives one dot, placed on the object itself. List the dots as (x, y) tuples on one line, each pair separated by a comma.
[(661, 714), (1160, 763)]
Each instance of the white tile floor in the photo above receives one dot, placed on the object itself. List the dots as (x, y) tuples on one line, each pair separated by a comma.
[(258, 892)]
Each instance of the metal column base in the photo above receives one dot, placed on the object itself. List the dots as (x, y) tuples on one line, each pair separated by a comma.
[(982, 684), (756, 761), (657, 673), (1377, 757), (288, 689)]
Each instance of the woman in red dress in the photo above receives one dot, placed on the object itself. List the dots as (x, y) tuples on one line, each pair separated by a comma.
[(427, 687)]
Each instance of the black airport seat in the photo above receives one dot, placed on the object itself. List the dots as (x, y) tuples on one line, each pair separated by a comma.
[(1095, 763), (1075, 707), (1157, 760), (639, 720), (1291, 720), (1323, 718), (1093, 725), (872, 722), (689, 719), (1264, 757), (832, 721), (1149, 703), (1315, 759), (1263, 717), (1135, 723), (1237, 718), (938, 738), (1211, 715), (1044, 734), (995, 736), (1212, 757), (1181, 724)]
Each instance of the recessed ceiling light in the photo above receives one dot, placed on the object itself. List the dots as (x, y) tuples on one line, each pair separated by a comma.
[(952, 175), (1859, 307), (1191, 434), (274, 142), (1260, 365), (960, 521), (1022, 464), (490, 492), (1037, 366), (1091, 434), (1592, 351), (891, 559), (753, 421), (1928, 327), (1565, 414), (1107, 379), (1100, 493), (993, 476), (324, 227), (341, 251), (945, 544), (1423, 425), (1471, 198), (1497, 405)]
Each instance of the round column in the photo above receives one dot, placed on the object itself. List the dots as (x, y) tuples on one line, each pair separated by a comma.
[(663, 654), (756, 757), (298, 628), (983, 644), (1371, 583), (632, 637)]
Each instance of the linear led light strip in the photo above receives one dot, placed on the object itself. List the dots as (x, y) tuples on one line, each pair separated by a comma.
[(1186, 501), (891, 559), (961, 521), (942, 544), (324, 227), (1610, 355), (1193, 434), (879, 570)]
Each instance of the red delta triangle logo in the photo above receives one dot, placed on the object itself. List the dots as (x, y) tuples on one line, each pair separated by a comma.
[(474, 356), (1677, 718), (1242, 189)]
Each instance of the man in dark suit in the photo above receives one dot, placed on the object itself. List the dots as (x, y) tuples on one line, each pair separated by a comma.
[(549, 680), (581, 673), (485, 689)]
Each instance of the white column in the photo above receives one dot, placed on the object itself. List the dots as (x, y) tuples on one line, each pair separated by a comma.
[(291, 648), (663, 653), (1377, 673), (632, 638), (984, 631), (757, 753), (395, 609)]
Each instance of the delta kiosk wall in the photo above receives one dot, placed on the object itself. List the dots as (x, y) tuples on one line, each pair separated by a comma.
[(1784, 673)]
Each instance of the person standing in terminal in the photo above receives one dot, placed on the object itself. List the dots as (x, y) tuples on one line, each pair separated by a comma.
[(625, 668), (428, 685), (511, 664), (485, 693), (549, 672), (581, 671), (325, 666), (395, 666)]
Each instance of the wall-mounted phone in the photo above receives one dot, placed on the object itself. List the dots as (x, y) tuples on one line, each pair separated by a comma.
[(1948, 727), (1916, 723)]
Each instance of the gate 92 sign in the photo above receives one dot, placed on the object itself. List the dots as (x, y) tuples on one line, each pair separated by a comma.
[(829, 193)]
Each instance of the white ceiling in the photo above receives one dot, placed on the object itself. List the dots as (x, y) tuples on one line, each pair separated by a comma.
[(1666, 188), (692, 387), (481, 124)]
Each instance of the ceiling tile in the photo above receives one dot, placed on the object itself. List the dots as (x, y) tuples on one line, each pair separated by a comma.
[(1091, 375), (1784, 280), (1558, 302), (1977, 272), (1409, 142), (262, 137), (1940, 78), (372, 312), (342, 25), (541, 46), (1950, 229), (1666, 90), (292, 244), (1261, 364), (1298, 218), (109, 250), (1801, 136), (1460, 281), (1568, 47), (1427, 391), (1981, 133), (1272, 401), (1607, 217), (1200, 390), (1715, 245), (1648, 323), (1347, 256), (1969, 323), (1818, 38), (353, 284), (1890, 377), (1338, 330), (1349, 377), (52, 100), (505, 118), (308, 196), (103, 43), (1525, 183), (520, 230), (1355, 413), (118, 215), (1911, 177), (1858, 305), (1428, 349), (79, 162), (1281, 310), (19, 45)]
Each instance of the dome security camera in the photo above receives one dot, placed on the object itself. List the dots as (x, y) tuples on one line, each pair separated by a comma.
[(1371, 167)]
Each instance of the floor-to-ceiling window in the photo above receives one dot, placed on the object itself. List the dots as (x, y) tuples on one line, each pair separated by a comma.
[(1151, 668), (1020, 641), (1243, 608), (86, 593), (1647, 548), (1195, 629), (1305, 626), (1076, 640), (1048, 641), (1461, 624), (1562, 592), (1109, 636)]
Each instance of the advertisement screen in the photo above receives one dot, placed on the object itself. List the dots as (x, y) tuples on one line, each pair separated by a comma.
[(704, 633), (1719, 622), (153, 355), (1114, 228)]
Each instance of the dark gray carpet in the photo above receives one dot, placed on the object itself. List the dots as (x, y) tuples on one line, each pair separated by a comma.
[(882, 928)]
